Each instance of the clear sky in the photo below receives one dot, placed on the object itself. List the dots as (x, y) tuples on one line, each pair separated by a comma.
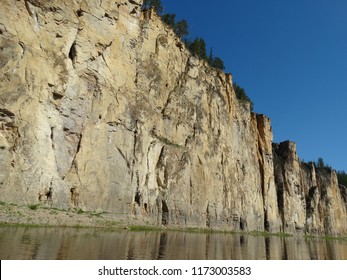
[(290, 57)]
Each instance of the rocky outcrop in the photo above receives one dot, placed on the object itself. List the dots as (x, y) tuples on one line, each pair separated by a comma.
[(103, 108), (309, 198)]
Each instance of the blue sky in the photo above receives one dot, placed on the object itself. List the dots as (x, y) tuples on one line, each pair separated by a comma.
[(290, 57)]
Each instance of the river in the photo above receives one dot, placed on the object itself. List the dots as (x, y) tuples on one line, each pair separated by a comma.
[(54, 243)]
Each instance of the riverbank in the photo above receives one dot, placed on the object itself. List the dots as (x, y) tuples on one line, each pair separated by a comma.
[(36, 215)]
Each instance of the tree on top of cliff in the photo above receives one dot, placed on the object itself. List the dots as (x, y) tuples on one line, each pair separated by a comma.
[(215, 62), (198, 47), (180, 28), (341, 175), (321, 164), (169, 19), (156, 4), (241, 94), (342, 178)]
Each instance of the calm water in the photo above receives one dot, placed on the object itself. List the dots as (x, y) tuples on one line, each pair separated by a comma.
[(83, 244)]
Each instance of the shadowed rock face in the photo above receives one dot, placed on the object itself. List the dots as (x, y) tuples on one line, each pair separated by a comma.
[(102, 108), (309, 198)]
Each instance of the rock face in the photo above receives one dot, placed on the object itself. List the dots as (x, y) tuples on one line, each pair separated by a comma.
[(103, 108), (310, 199)]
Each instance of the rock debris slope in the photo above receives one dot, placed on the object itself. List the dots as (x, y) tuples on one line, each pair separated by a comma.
[(103, 108)]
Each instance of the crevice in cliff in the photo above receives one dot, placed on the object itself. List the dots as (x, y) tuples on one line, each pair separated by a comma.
[(27, 7), (46, 195), (73, 53), (165, 213), (78, 145), (136, 131), (243, 224), (103, 49), (161, 171), (52, 137), (279, 182), (208, 216), (74, 195), (79, 12), (190, 191), (224, 180), (73, 161), (309, 199), (261, 164), (137, 198), (124, 157), (22, 45)]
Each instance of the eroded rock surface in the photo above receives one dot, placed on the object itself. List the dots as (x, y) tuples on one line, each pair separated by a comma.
[(102, 108)]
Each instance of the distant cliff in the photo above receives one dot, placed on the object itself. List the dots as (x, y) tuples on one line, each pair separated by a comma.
[(103, 108)]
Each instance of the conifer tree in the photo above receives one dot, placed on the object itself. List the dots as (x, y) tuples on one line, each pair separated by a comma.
[(169, 19), (241, 94), (218, 63), (181, 28), (198, 47)]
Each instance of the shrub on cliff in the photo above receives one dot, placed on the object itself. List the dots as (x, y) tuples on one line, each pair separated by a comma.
[(216, 62), (241, 95)]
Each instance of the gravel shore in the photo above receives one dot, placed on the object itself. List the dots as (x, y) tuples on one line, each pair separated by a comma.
[(45, 216)]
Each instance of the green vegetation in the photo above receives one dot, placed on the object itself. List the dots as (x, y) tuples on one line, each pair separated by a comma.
[(196, 46), (26, 225), (342, 177), (321, 164), (267, 234), (180, 28), (241, 95), (144, 228), (79, 211), (33, 206)]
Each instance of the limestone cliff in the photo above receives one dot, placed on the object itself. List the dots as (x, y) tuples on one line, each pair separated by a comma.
[(103, 108)]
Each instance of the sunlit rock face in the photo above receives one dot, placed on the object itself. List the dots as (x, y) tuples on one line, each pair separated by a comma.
[(103, 108)]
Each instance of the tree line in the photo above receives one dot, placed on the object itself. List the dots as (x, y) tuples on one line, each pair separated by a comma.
[(341, 175)]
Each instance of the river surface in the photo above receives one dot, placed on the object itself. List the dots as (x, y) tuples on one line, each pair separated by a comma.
[(93, 244)]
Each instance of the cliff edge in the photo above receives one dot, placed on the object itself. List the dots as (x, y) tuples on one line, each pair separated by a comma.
[(103, 108)]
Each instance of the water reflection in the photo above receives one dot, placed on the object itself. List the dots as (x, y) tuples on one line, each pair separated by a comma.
[(69, 243)]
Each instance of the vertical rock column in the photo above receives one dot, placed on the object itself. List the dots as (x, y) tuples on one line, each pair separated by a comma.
[(272, 222)]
